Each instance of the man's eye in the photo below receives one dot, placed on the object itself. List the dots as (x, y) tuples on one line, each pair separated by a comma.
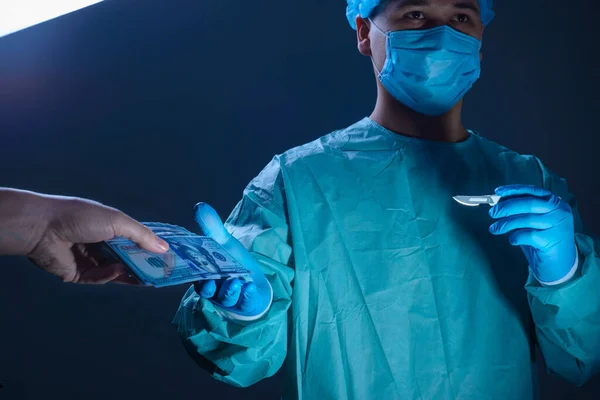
[(414, 15), (462, 18)]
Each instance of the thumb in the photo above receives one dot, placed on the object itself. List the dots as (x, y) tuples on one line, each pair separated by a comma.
[(213, 227), (127, 227), (211, 223)]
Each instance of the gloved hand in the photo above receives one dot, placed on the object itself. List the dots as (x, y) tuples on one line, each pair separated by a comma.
[(233, 298), (542, 224)]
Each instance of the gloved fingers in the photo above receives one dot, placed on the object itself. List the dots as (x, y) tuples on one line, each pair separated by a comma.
[(206, 289), (229, 293), (530, 237), (247, 301), (526, 221), (524, 205), (522, 190)]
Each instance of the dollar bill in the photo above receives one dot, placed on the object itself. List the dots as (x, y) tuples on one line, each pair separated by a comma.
[(190, 258)]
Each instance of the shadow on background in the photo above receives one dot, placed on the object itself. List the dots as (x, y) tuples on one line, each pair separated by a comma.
[(151, 106)]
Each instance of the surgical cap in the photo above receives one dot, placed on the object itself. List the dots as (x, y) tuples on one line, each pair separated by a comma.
[(364, 8)]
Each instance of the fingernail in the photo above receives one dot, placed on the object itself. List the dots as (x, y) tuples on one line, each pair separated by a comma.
[(164, 246)]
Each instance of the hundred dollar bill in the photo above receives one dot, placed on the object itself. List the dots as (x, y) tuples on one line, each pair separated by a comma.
[(190, 258)]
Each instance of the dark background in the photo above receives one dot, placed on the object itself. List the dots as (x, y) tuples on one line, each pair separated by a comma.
[(153, 105)]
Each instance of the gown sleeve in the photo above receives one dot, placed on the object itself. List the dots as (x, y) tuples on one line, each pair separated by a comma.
[(567, 316), (238, 353)]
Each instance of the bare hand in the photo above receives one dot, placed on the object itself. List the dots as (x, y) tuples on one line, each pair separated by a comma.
[(64, 247)]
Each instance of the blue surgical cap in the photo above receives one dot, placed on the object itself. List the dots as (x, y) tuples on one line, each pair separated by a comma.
[(364, 8)]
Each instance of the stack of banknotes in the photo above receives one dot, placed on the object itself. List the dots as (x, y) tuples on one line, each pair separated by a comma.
[(190, 258)]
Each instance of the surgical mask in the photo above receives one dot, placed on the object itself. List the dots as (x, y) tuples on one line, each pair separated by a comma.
[(430, 70)]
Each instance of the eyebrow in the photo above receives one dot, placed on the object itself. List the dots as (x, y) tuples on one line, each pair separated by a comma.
[(464, 5), (467, 5)]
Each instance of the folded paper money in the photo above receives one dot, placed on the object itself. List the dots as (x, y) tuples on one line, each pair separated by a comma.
[(190, 258)]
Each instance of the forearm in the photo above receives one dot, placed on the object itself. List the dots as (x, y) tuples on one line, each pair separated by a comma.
[(23, 220)]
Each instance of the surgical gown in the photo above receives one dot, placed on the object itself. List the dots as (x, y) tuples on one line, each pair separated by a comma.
[(384, 287)]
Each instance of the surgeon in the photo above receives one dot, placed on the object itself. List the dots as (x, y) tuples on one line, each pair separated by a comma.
[(369, 281)]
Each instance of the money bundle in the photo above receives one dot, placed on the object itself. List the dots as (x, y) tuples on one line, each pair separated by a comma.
[(190, 258)]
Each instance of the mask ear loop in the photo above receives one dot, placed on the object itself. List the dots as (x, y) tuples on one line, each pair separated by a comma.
[(386, 36)]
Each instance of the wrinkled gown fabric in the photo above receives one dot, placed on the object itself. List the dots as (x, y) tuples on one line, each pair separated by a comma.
[(384, 287)]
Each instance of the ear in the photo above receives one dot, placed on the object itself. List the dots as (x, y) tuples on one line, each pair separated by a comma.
[(362, 35)]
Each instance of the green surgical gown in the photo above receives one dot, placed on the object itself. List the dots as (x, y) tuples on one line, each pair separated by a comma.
[(386, 288)]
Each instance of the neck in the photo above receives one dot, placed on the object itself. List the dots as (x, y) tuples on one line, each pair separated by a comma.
[(398, 118)]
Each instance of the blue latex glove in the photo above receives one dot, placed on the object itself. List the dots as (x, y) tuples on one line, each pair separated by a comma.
[(235, 299), (542, 224)]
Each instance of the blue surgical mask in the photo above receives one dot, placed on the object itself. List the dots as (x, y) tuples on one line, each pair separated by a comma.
[(430, 70)]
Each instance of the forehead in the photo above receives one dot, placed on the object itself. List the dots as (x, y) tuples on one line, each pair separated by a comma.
[(392, 5)]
